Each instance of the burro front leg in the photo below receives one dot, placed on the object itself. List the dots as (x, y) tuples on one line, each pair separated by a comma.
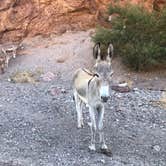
[(79, 103), (100, 116), (7, 61), (93, 128)]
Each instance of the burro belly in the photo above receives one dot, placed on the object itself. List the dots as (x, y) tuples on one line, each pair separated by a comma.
[(80, 81)]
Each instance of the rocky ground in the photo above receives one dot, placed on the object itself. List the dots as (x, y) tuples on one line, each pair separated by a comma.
[(38, 120)]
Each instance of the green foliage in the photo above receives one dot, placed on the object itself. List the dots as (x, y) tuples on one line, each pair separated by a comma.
[(138, 36)]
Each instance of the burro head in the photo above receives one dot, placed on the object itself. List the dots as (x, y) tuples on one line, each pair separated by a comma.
[(103, 70)]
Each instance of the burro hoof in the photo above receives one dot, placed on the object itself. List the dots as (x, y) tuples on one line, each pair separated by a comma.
[(92, 147), (106, 152), (104, 146), (80, 126)]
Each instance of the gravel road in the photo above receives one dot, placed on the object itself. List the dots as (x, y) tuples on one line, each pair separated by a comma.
[(38, 128)]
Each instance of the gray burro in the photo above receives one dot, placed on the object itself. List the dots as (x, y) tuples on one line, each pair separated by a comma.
[(92, 88)]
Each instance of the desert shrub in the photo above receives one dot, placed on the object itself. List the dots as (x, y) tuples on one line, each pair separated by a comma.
[(138, 36)]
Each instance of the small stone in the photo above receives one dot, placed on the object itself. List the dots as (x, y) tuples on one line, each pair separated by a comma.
[(54, 91), (61, 60), (8, 100), (9, 80), (49, 76), (157, 148), (102, 161), (122, 88), (135, 89), (156, 78), (110, 18), (33, 129), (63, 91), (136, 92), (122, 84)]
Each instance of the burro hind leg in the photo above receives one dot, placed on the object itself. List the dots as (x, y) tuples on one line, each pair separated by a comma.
[(93, 129), (100, 116), (79, 104)]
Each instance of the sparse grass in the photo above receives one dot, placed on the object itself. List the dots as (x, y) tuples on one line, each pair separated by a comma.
[(26, 76), (138, 36), (161, 102), (23, 77)]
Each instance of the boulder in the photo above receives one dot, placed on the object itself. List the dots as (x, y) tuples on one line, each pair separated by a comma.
[(22, 18)]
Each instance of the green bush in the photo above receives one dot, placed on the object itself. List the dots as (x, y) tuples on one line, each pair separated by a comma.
[(138, 36)]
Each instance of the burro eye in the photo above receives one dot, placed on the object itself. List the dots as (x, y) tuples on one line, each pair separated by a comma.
[(97, 75)]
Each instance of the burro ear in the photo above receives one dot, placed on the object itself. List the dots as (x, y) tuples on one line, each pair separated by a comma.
[(96, 51), (110, 52)]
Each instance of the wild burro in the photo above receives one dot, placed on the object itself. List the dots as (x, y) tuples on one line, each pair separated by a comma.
[(7, 52), (93, 89)]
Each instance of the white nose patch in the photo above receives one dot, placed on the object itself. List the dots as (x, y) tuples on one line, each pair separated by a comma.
[(104, 91)]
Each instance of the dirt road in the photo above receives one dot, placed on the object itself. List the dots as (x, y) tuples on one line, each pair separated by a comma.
[(38, 120)]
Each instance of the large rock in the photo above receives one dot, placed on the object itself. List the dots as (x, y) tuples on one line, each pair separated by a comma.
[(21, 18)]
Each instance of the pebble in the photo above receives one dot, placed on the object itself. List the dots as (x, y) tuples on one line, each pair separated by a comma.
[(137, 92), (49, 76), (33, 129), (135, 89), (102, 161), (63, 91), (157, 148), (156, 78)]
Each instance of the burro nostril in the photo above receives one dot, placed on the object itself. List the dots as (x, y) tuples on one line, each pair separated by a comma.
[(104, 98)]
